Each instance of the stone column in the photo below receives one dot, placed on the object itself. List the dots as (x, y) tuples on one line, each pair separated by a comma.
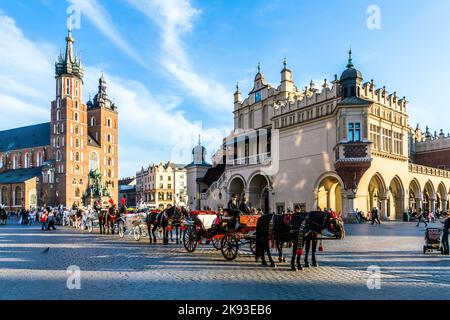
[(349, 208), (444, 205), (433, 205), (383, 209)]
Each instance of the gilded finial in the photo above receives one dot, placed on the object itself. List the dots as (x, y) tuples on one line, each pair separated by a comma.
[(259, 67), (285, 62)]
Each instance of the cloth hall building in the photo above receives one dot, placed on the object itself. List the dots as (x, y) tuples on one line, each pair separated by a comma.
[(345, 146), (72, 158)]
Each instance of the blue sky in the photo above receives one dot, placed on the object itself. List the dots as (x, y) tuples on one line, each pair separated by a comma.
[(172, 65)]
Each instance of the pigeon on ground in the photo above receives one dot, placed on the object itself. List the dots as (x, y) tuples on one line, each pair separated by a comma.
[(46, 250)]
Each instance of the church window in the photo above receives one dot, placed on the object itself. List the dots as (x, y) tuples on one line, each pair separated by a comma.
[(108, 122), (58, 155), (109, 173), (77, 169), (76, 129), (77, 156), (76, 91), (76, 116), (18, 196), (58, 115), (67, 86), (76, 104), (109, 161), (27, 160), (93, 122), (77, 143), (58, 103), (108, 138)]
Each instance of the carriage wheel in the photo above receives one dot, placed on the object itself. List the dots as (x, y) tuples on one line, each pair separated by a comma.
[(121, 229), (230, 246), (216, 242), (90, 226), (253, 246), (137, 233), (190, 239)]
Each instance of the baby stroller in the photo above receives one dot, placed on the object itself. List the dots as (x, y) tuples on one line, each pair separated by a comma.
[(433, 240)]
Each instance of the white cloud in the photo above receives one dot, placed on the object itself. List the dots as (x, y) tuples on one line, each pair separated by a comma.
[(98, 16), (26, 77), (175, 18)]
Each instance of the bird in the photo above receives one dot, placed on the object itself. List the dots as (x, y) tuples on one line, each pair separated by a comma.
[(46, 250)]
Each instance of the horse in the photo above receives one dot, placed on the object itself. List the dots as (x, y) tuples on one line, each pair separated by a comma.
[(111, 217), (164, 220), (3, 216), (275, 228), (302, 229)]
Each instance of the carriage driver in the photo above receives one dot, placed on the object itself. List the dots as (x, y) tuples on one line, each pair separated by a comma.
[(233, 212)]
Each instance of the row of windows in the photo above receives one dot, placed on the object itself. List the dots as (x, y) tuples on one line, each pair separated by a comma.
[(161, 197), (251, 119), (17, 196), (19, 162), (386, 140), (67, 87)]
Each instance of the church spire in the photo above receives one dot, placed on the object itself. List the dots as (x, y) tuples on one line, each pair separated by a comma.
[(69, 64), (350, 60)]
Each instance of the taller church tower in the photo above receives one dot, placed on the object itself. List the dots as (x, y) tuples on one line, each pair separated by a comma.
[(69, 131)]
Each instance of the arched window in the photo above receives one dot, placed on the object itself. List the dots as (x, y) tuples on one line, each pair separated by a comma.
[(109, 161), (58, 155), (76, 129), (108, 122), (77, 156), (77, 143), (76, 104), (15, 162), (18, 196), (4, 198), (93, 161), (76, 116), (108, 137), (58, 115), (109, 173), (353, 92), (93, 122), (109, 149), (38, 159), (27, 160), (67, 86)]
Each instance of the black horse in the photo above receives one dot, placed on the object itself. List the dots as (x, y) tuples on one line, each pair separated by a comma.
[(302, 229), (166, 219), (3, 216)]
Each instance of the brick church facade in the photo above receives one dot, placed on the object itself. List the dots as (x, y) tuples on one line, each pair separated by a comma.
[(71, 159)]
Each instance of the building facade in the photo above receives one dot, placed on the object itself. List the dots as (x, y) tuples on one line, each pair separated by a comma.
[(162, 184), (127, 190), (71, 159), (345, 146)]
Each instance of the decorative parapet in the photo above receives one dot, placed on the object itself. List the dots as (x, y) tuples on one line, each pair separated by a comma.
[(382, 97), (416, 168)]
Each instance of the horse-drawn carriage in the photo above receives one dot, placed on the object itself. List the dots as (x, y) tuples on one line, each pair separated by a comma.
[(222, 232), (135, 225)]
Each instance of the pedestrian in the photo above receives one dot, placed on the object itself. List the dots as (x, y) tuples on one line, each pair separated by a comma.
[(422, 217), (445, 232), (375, 216), (51, 220), (44, 220)]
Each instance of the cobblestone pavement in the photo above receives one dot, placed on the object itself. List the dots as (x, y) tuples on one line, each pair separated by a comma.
[(124, 269)]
